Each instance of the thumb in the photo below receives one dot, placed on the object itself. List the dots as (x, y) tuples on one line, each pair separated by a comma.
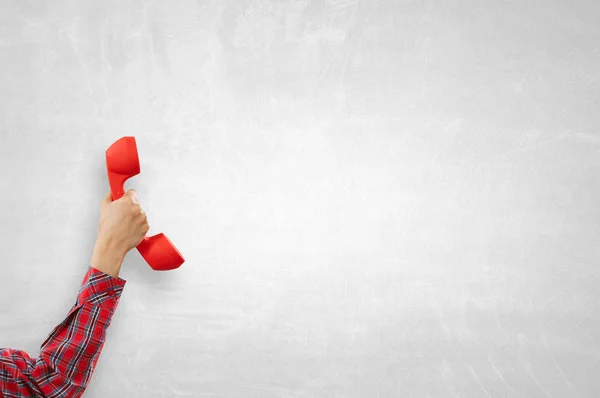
[(107, 199), (133, 195)]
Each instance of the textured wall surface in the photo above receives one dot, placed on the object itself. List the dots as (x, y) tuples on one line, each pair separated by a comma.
[(392, 198)]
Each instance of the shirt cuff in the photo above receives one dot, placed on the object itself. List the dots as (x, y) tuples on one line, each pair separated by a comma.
[(100, 289)]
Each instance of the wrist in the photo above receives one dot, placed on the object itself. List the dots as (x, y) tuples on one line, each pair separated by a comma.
[(107, 257)]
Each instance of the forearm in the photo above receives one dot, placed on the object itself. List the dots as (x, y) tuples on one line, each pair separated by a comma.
[(69, 354), (107, 257)]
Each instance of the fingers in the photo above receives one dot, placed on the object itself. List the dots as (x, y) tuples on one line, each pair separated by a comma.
[(143, 221), (146, 227)]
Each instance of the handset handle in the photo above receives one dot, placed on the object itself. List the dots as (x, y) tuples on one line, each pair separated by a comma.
[(122, 163), (117, 184)]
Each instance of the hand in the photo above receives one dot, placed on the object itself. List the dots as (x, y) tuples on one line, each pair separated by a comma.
[(123, 225)]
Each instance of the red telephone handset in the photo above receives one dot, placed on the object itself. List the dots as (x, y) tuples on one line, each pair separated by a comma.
[(122, 163)]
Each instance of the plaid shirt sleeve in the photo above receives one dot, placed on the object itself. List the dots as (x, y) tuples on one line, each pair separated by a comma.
[(69, 354)]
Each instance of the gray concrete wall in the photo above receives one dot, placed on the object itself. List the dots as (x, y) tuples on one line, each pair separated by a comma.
[(374, 198)]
